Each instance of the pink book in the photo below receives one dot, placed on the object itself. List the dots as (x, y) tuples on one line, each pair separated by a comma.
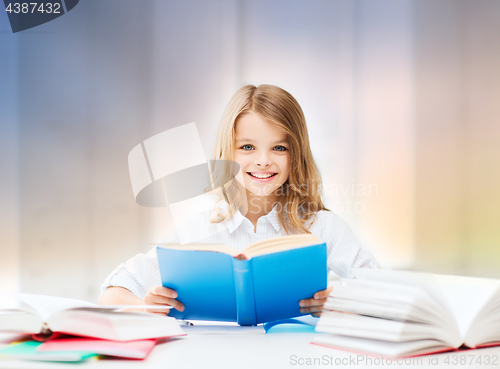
[(138, 349)]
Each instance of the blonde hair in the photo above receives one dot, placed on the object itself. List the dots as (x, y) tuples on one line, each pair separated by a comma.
[(300, 196)]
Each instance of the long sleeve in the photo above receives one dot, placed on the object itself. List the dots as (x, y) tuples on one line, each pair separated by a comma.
[(344, 250), (138, 274)]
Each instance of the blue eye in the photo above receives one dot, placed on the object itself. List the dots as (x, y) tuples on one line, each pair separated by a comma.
[(280, 148), (247, 147)]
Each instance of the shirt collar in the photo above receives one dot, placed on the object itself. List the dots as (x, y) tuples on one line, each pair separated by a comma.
[(274, 219), (235, 221)]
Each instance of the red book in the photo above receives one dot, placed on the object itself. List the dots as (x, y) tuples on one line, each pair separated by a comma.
[(138, 349)]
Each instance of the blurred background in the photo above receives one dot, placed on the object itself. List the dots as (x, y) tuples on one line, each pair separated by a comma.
[(402, 100)]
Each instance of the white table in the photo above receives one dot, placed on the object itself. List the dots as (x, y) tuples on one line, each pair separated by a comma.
[(251, 349)]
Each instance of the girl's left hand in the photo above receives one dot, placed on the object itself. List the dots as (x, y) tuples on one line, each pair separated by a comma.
[(315, 305)]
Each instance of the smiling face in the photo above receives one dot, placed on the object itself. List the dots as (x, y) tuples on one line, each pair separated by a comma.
[(261, 150)]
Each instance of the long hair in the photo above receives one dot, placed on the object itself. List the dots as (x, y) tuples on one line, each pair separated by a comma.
[(299, 198)]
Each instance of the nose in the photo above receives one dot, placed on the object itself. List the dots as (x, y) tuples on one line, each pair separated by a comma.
[(263, 160)]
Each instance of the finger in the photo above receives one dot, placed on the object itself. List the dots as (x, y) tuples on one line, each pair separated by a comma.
[(174, 303), (323, 294), (161, 300), (162, 313), (311, 309), (317, 314), (163, 291), (312, 302)]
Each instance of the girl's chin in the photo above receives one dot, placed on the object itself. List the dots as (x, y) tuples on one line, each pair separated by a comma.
[(260, 193)]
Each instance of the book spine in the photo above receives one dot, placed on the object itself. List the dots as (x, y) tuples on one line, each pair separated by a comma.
[(243, 285)]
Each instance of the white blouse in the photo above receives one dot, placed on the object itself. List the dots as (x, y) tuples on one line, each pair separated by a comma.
[(141, 272)]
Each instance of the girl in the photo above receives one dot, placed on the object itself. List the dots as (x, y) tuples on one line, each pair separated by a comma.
[(263, 129)]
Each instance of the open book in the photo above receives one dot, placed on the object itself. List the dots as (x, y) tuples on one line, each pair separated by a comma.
[(263, 283), (38, 314), (401, 313)]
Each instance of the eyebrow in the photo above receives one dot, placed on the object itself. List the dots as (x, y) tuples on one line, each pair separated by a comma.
[(250, 140)]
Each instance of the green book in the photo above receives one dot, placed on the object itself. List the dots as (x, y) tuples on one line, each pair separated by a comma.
[(28, 351)]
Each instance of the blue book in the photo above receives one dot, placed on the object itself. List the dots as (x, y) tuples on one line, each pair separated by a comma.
[(263, 283)]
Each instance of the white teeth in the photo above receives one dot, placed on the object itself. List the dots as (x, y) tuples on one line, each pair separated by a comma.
[(261, 176)]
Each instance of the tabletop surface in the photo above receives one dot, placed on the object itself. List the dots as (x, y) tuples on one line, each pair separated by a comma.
[(215, 347)]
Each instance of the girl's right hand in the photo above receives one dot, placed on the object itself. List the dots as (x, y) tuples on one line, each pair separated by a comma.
[(159, 295)]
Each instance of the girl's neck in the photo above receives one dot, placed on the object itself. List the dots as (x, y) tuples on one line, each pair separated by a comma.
[(258, 206)]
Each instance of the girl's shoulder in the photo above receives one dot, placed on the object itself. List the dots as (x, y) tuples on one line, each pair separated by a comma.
[(328, 226), (328, 218)]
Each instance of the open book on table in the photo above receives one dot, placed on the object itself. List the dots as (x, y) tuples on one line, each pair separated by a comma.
[(263, 283), (39, 314), (402, 313)]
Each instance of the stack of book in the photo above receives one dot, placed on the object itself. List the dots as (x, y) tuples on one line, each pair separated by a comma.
[(58, 329), (402, 313)]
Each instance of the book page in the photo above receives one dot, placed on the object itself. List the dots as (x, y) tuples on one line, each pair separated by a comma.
[(462, 297), (202, 247), (45, 306), (283, 243), (423, 281), (466, 296), (392, 349), (263, 247)]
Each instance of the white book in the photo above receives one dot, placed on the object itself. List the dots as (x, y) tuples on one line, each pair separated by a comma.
[(35, 314), (401, 313)]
